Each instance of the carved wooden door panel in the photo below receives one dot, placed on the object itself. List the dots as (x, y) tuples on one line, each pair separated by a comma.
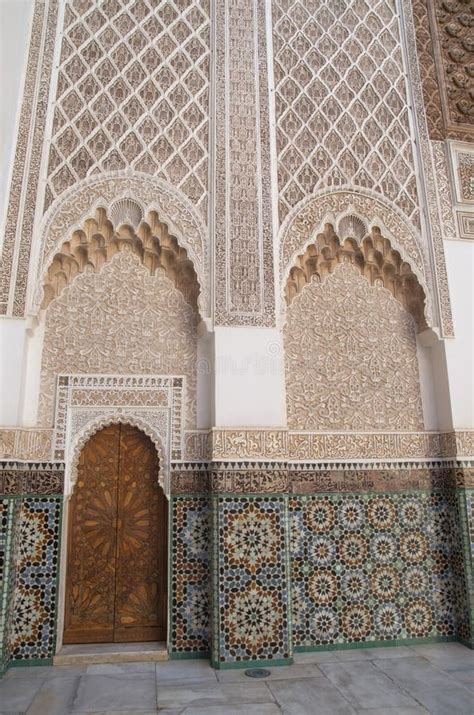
[(92, 542), (116, 571), (140, 591)]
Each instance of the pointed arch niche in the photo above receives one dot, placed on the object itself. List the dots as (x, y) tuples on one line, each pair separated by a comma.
[(121, 227), (353, 310), (117, 321)]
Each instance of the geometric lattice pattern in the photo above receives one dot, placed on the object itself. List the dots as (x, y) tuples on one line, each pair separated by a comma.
[(251, 595), (32, 632), (5, 536), (190, 590), (341, 103), (375, 567), (133, 91)]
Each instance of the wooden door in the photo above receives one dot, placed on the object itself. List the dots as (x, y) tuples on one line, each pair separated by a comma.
[(116, 570)]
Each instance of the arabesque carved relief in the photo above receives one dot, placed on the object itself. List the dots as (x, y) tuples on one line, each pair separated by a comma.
[(100, 239), (341, 102), (120, 320), (445, 49), (351, 361), (151, 195), (372, 254), (244, 276)]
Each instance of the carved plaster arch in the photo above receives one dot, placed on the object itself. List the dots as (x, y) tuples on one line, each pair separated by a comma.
[(97, 423), (72, 208), (121, 227), (308, 218), (371, 253)]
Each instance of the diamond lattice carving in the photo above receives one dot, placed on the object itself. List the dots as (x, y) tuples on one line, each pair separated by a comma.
[(342, 110), (133, 89)]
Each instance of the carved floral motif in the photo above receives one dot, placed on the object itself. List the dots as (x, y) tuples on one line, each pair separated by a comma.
[(121, 320), (351, 361)]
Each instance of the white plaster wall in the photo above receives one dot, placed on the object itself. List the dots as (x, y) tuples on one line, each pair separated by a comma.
[(205, 381), (460, 350), (32, 375), (12, 356), (15, 19), (249, 378), (428, 396)]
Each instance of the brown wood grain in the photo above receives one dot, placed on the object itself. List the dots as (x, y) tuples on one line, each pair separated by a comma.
[(116, 570)]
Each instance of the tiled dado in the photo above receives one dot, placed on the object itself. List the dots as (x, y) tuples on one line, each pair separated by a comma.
[(189, 609), (250, 571), (30, 514), (270, 556), (376, 567), (31, 563)]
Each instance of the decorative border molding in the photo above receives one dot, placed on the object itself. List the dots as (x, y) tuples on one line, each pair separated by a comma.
[(72, 208), (151, 402), (202, 446), (242, 203), (461, 159), (251, 477), (26, 444), (26, 168), (20, 478), (432, 219), (283, 444)]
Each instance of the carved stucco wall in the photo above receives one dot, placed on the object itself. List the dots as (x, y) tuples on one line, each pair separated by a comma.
[(341, 102), (133, 91), (445, 52), (351, 361), (119, 321)]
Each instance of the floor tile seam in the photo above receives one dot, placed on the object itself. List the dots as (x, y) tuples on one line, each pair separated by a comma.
[(401, 687), (76, 690), (303, 680), (402, 690), (41, 680), (447, 672), (272, 695), (72, 697)]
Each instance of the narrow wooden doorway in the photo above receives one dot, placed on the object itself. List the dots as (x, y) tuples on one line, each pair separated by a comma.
[(117, 542)]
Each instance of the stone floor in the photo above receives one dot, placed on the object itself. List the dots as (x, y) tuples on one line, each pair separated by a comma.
[(436, 679)]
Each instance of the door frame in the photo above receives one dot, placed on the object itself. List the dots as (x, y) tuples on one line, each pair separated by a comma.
[(68, 493)]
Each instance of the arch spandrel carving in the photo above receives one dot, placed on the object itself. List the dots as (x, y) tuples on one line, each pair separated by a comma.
[(71, 210), (123, 227), (350, 358), (371, 253), (97, 325), (302, 226)]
